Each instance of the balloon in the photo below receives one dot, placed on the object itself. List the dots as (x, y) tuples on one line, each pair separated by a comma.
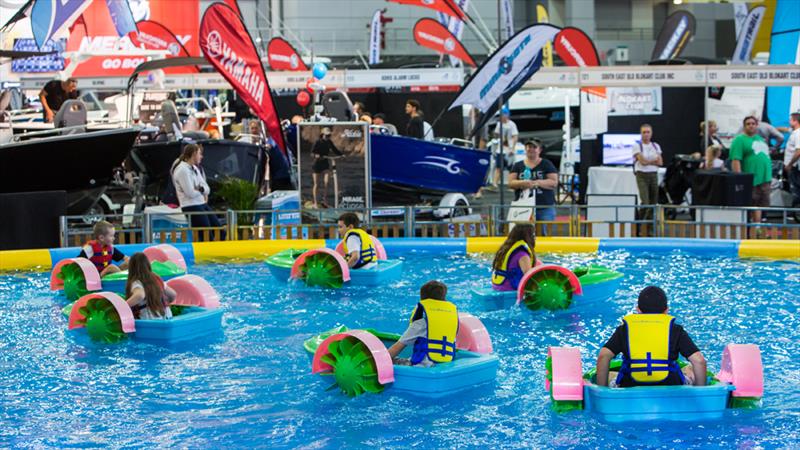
[(319, 71), (310, 84), (303, 98)]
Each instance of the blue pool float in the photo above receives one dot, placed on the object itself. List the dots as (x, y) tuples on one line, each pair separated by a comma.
[(327, 268), (107, 318), (359, 362), (739, 384), (553, 287)]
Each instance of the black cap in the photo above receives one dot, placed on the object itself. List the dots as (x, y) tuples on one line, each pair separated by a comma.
[(652, 300)]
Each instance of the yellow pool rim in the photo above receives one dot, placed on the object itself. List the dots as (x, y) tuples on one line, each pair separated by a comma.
[(543, 245), (777, 249), (248, 250), (37, 260)]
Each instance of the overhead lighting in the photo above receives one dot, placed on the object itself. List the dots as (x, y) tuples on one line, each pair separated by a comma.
[(677, 2)]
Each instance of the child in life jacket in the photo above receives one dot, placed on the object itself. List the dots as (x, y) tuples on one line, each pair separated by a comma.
[(101, 251), (359, 250), (432, 330), (146, 293), (650, 343), (514, 258)]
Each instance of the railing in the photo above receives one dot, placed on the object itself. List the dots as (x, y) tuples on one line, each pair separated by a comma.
[(449, 222)]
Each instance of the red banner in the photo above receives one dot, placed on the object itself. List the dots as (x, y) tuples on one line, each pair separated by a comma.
[(282, 56), (234, 6), (227, 45), (100, 35), (433, 35), (576, 48), (448, 7), (154, 36)]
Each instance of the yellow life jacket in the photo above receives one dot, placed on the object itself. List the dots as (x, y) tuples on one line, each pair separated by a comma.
[(513, 275), (440, 343), (367, 252), (648, 348)]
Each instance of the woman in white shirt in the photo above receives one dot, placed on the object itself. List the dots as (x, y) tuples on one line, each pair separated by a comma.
[(647, 156), (192, 189)]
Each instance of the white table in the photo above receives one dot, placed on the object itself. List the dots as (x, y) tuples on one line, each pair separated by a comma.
[(616, 181)]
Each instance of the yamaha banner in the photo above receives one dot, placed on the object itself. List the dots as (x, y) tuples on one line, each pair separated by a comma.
[(575, 48), (431, 34), (154, 36), (747, 36), (678, 29), (227, 45), (448, 7), (49, 17), (375, 38), (547, 52), (507, 69), (282, 56)]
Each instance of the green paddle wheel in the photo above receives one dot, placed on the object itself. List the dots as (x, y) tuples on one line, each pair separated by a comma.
[(323, 270), (547, 289), (101, 321), (353, 367), (74, 282), (559, 406)]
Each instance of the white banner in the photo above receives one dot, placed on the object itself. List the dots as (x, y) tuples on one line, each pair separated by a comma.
[(375, 39), (747, 37), (457, 28), (735, 104), (634, 101), (507, 68), (739, 14), (643, 76), (508, 19)]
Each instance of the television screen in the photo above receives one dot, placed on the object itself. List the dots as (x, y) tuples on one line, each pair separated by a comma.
[(618, 148), (48, 63)]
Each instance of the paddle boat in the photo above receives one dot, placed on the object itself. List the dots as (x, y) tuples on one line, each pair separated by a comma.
[(327, 268), (107, 318), (359, 361), (553, 287), (739, 384), (78, 276)]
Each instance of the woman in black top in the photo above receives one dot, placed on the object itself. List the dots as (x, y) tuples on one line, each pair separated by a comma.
[(323, 149), (713, 138)]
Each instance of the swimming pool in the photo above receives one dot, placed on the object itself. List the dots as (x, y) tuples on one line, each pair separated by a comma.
[(252, 387)]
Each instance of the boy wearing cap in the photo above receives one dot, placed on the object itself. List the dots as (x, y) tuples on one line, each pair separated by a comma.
[(650, 343)]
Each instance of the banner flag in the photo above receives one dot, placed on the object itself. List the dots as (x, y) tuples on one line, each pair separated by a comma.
[(508, 18), (747, 36), (375, 38), (576, 48), (49, 17), (507, 69), (121, 16), (448, 7), (739, 14), (234, 6), (456, 27), (227, 45), (282, 56), (547, 51), (431, 34), (784, 49), (154, 36), (675, 34)]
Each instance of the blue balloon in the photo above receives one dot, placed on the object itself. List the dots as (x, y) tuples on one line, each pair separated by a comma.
[(320, 70)]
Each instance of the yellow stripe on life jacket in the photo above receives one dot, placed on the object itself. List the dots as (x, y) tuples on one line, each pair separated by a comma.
[(442, 319), (648, 344), (367, 252), (499, 276)]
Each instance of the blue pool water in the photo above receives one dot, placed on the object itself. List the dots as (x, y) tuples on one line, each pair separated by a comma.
[(252, 387)]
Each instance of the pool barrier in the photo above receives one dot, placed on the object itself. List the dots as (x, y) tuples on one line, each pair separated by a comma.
[(41, 260)]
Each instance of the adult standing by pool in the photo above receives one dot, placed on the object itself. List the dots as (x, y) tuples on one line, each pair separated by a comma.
[(192, 188), (536, 176), (416, 126), (647, 157), (54, 94), (750, 154)]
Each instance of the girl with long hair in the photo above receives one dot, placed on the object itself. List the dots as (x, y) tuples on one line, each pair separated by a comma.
[(192, 188), (514, 258), (146, 293)]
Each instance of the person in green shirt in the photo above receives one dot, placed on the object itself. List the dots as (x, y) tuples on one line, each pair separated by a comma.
[(750, 154)]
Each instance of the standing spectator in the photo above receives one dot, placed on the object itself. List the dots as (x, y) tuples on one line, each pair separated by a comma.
[(54, 94), (713, 138), (648, 159), (416, 126), (323, 150), (791, 159), (536, 176), (379, 119), (358, 110), (750, 154), (192, 188), (768, 132), (504, 156)]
